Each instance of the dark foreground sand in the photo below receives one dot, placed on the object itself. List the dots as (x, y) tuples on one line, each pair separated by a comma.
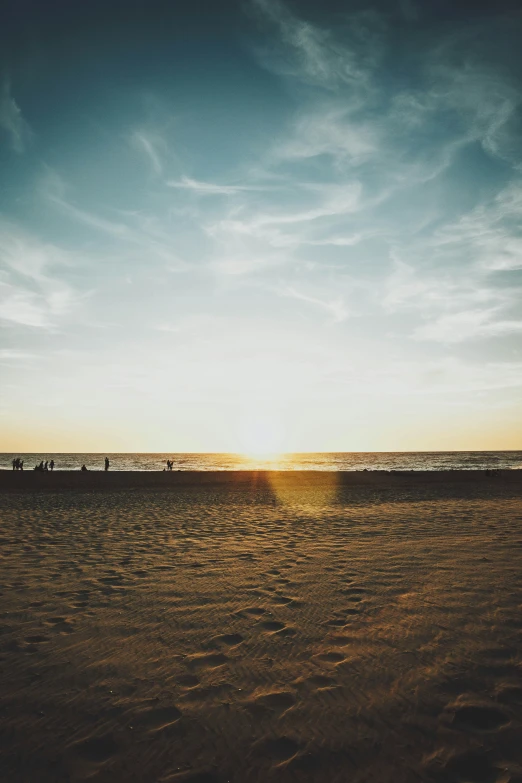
[(261, 627)]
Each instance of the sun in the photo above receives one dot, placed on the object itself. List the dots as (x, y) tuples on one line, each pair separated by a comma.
[(261, 435)]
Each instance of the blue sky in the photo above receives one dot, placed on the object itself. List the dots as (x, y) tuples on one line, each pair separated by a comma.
[(260, 225)]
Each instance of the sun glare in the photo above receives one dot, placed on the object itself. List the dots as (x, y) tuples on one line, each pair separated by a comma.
[(261, 436)]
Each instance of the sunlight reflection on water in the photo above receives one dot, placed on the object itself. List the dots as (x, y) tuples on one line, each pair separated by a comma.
[(328, 461)]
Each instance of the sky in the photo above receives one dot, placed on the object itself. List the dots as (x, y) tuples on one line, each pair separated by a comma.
[(260, 226)]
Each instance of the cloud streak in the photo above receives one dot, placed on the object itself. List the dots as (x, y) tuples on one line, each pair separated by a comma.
[(148, 144), (11, 119), (211, 188), (30, 292)]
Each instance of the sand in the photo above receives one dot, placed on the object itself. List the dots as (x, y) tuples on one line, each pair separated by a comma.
[(261, 627)]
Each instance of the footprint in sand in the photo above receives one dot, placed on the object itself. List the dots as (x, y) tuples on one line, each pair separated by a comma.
[(282, 600), (207, 661), (97, 749), (187, 680), (37, 639), (206, 693), (335, 623), (278, 701), (229, 639), (354, 593), (278, 749), (331, 657), (60, 624), (473, 767), (158, 718), (478, 718), (287, 632), (272, 626), (112, 580), (352, 610), (339, 640), (256, 611), (320, 681), (77, 605)]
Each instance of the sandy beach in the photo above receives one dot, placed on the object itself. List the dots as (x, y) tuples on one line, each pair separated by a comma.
[(236, 626)]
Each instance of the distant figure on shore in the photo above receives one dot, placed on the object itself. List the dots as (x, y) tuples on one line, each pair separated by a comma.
[(51, 465), (14, 463), (84, 468), (17, 463), (170, 463), (46, 466), (107, 463), (21, 462)]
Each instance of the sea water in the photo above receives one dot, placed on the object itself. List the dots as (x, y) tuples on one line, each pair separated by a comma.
[(412, 460)]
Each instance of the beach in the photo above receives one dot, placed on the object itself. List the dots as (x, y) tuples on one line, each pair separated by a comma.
[(261, 626)]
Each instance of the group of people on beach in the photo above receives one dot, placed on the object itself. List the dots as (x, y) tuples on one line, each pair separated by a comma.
[(107, 465), (18, 464), (47, 465), (170, 464)]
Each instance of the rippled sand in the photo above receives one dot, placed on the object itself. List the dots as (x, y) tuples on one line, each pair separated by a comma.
[(264, 628)]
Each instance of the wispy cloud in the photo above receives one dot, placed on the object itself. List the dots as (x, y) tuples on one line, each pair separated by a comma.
[(329, 129), (467, 325), (387, 159), (210, 188), (335, 307), (491, 232), (19, 305), (250, 230), (30, 292), (144, 232), (12, 120), (149, 144), (316, 55)]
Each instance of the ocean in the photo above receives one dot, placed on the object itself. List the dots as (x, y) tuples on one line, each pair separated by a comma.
[(412, 460)]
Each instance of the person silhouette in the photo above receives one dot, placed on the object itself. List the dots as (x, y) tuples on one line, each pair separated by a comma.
[(84, 468), (107, 463), (51, 465), (46, 466), (14, 463)]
